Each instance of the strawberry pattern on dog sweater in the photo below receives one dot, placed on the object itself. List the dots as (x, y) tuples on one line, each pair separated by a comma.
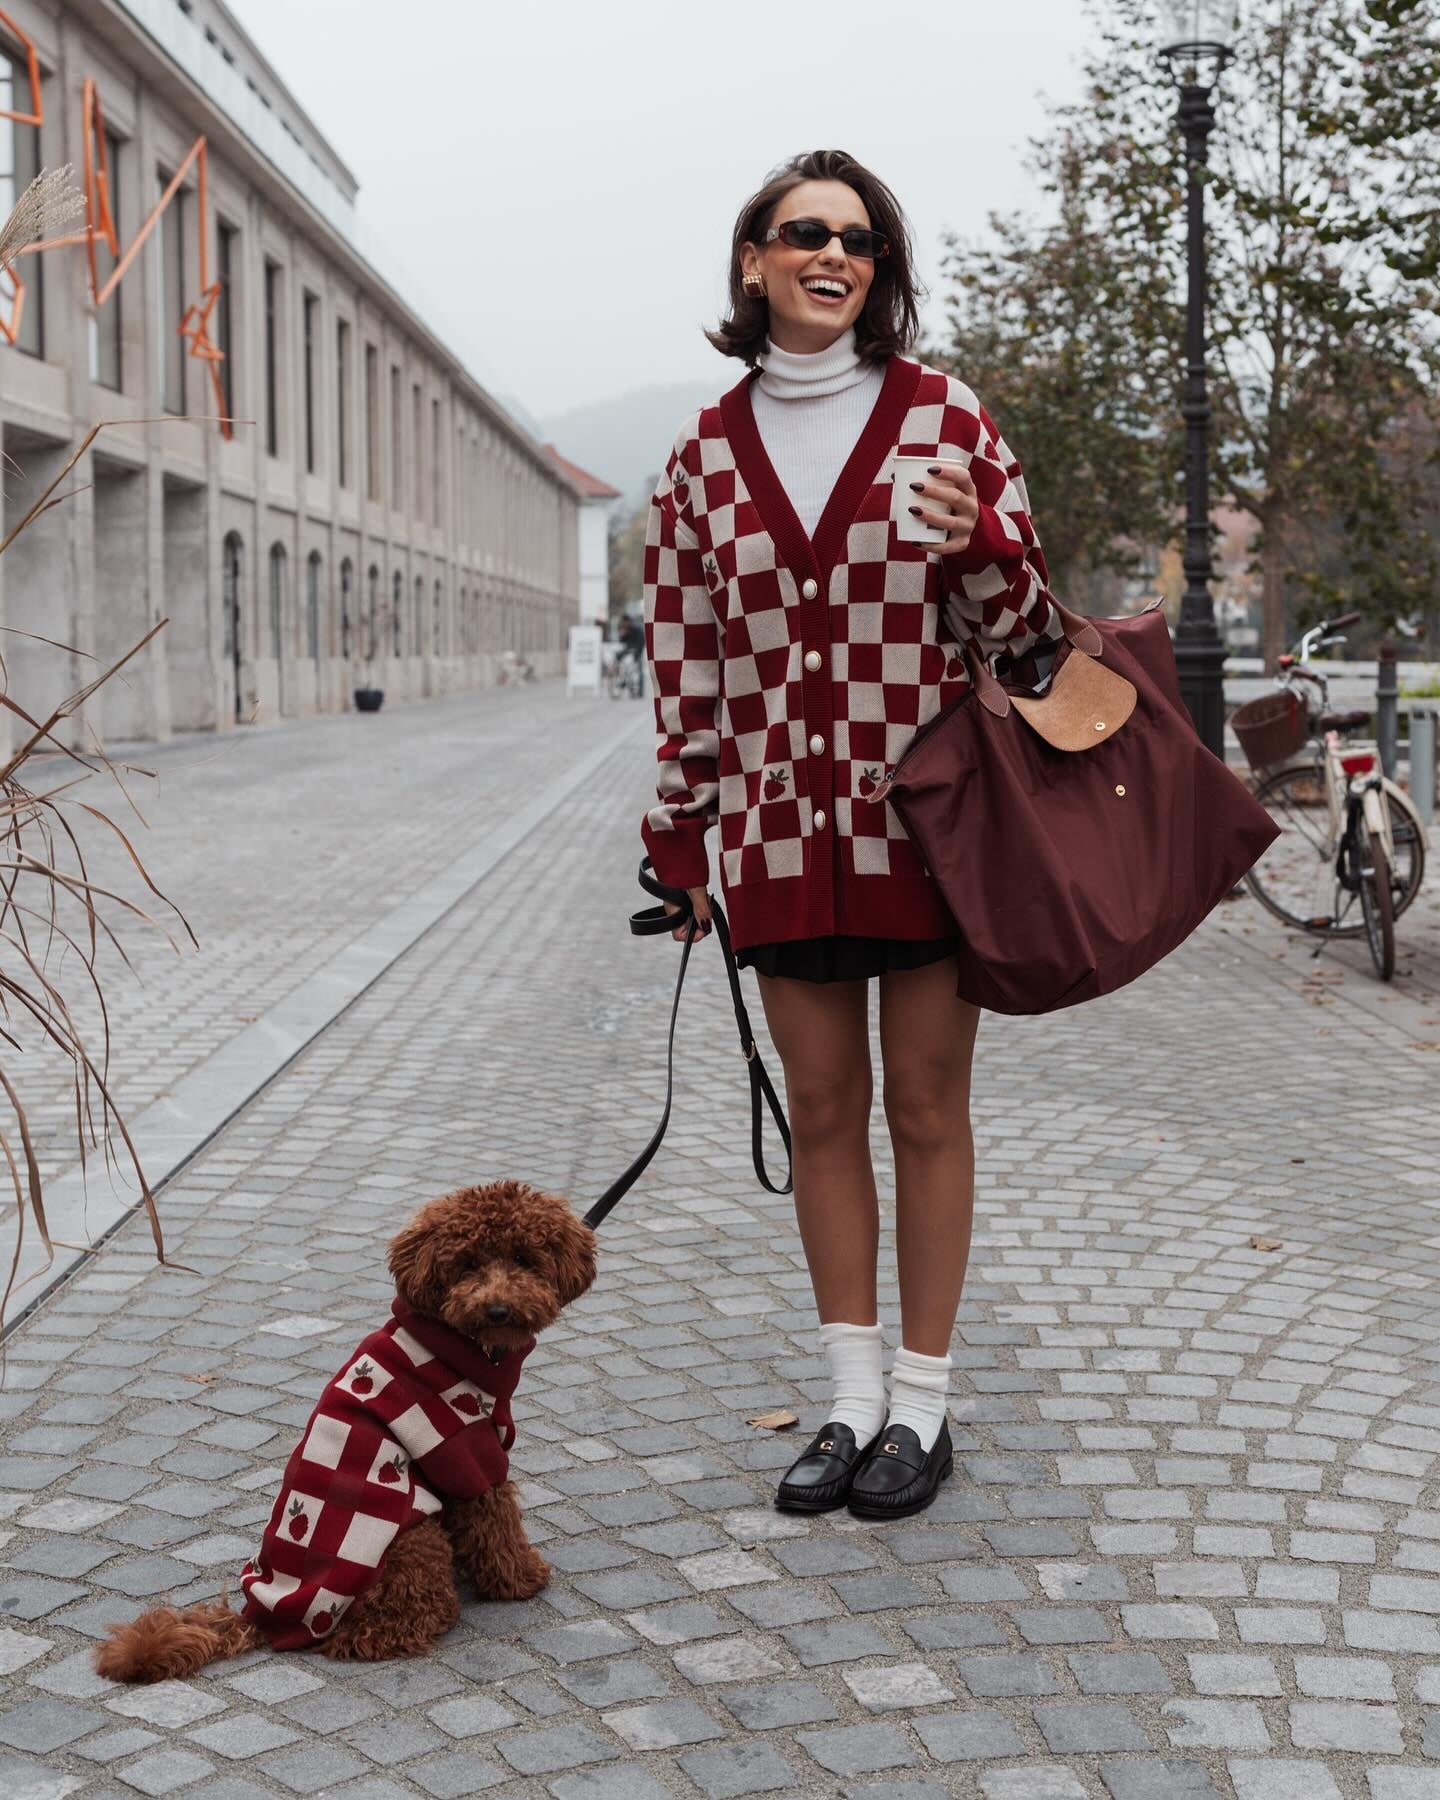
[(417, 1399)]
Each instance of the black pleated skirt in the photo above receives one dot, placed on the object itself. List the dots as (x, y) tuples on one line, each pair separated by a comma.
[(838, 958)]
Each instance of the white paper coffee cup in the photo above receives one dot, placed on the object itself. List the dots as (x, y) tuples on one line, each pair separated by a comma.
[(908, 528)]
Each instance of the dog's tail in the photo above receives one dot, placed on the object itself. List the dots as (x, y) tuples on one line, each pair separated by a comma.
[(169, 1642)]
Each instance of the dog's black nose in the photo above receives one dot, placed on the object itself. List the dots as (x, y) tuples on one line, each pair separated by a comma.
[(497, 1315)]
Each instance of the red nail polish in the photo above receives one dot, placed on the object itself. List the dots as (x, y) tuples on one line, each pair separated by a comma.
[(917, 487), (916, 511), (937, 470)]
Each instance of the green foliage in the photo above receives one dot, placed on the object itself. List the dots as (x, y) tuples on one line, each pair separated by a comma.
[(627, 554), (1068, 338), (1323, 236)]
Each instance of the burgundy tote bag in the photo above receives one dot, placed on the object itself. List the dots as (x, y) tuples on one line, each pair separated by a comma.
[(1080, 835)]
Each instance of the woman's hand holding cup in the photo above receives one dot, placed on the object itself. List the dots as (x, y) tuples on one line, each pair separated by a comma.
[(933, 497)]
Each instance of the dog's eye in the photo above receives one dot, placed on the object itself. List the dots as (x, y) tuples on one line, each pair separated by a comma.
[(522, 1259)]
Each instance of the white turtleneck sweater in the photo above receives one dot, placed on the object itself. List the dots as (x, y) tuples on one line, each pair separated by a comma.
[(810, 411)]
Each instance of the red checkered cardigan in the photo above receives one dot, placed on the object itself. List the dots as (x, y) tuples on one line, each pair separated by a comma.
[(790, 673), (415, 1396)]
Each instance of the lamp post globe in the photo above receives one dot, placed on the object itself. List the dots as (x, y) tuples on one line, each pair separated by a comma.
[(1195, 56)]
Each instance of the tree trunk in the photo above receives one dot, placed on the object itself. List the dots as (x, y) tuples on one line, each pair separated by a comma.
[(1274, 622)]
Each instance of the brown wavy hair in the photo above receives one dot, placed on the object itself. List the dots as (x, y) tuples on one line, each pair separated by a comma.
[(888, 323)]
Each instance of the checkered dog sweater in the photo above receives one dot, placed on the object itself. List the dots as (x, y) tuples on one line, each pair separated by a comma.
[(790, 673), (416, 1399)]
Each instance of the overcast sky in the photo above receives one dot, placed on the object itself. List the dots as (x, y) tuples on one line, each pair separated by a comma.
[(566, 176)]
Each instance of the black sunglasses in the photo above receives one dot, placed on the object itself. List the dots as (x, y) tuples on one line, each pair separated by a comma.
[(815, 234)]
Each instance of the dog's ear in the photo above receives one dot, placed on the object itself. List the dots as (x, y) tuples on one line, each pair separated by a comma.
[(574, 1252), (414, 1257)]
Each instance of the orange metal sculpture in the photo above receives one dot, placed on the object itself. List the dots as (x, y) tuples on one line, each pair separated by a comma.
[(100, 224), (10, 327), (36, 114)]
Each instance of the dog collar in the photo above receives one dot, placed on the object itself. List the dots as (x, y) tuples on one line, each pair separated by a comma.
[(495, 1371)]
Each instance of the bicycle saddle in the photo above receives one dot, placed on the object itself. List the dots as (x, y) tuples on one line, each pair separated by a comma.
[(1344, 721)]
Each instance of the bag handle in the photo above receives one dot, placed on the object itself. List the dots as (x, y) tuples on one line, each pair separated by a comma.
[(649, 923), (1080, 631)]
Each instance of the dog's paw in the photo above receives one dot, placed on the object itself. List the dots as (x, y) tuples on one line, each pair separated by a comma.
[(520, 1579)]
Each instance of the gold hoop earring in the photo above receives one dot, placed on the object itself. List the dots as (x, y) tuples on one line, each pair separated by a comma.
[(754, 286)]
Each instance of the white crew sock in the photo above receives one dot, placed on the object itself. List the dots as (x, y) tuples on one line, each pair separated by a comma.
[(918, 1386), (853, 1353)]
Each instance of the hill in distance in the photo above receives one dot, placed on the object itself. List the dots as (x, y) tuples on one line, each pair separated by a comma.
[(625, 440)]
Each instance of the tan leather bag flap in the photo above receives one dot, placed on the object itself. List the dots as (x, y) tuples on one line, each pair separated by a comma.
[(1086, 704)]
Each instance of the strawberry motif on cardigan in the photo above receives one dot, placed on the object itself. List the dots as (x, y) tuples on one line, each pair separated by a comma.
[(788, 670), (416, 1399)]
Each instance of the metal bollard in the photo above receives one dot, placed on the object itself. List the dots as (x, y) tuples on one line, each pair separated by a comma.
[(1422, 761), (1387, 720)]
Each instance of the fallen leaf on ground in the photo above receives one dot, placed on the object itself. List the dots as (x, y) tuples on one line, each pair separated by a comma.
[(778, 1420), (1259, 1243), (1427, 1044), (197, 1377)]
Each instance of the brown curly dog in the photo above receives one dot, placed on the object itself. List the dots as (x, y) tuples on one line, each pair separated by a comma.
[(360, 1559)]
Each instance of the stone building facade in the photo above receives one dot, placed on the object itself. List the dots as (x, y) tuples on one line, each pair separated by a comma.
[(380, 521)]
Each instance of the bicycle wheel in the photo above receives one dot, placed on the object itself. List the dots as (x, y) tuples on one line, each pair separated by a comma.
[(1407, 867), (1295, 878), (1377, 903)]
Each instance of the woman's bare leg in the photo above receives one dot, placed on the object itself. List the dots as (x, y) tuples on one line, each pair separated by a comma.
[(927, 1038), (821, 1031)]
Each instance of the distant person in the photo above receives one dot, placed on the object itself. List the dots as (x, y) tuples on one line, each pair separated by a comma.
[(631, 636), (772, 518), (630, 656)]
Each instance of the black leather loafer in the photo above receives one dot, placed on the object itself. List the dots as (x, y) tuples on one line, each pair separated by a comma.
[(898, 1477), (819, 1478)]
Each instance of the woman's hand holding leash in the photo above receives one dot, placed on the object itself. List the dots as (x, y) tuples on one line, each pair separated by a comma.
[(957, 509), (700, 901), (654, 921)]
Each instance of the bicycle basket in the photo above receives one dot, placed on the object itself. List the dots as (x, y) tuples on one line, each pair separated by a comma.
[(1271, 728)]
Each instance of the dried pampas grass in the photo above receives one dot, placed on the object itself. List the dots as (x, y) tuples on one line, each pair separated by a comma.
[(50, 203), (53, 923)]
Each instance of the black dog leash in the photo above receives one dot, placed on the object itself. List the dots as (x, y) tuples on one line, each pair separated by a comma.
[(649, 923)]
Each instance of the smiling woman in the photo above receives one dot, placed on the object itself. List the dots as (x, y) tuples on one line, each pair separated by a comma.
[(777, 245), (799, 635)]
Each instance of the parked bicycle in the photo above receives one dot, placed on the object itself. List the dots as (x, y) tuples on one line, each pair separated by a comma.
[(625, 675), (1350, 857)]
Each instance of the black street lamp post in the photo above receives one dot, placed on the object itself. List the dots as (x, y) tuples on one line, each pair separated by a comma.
[(1199, 651)]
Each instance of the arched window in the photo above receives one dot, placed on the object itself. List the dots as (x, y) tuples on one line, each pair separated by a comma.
[(397, 607), (232, 554), (347, 631), (462, 623), (418, 623), (435, 622), (372, 611), (312, 605), (279, 575)]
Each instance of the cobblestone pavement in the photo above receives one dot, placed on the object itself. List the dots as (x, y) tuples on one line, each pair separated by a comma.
[(1192, 1542), (279, 845)]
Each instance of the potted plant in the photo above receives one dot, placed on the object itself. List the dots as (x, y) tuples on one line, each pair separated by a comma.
[(368, 697)]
